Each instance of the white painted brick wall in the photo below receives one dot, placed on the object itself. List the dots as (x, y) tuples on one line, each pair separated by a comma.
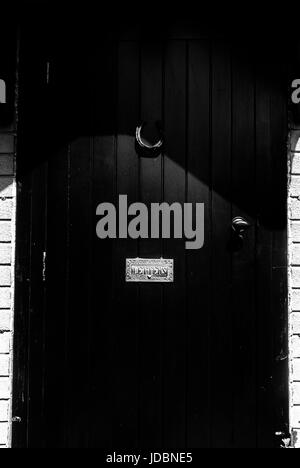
[(7, 244), (294, 286)]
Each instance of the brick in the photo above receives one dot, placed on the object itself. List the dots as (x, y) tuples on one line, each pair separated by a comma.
[(294, 140), (295, 277), (295, 299), (295, 346), (4, 388), (5, 275), (4, 365), (295, 231), (5, 297), (295, 163), (4, 343), (6, 186), (294, 321), (294, 208), (295, 257), (4, 408), (296, 393), (5, 232), (296, 370), (295, 186), (297, 146), (3, 433), (5, 320), (5, 254), (6, 209), (295, 417), (7, 143)]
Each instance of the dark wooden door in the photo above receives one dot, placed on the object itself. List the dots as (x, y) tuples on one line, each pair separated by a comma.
[(198, 363)]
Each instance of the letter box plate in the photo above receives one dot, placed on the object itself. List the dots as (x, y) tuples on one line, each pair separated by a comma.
[(145, 270)]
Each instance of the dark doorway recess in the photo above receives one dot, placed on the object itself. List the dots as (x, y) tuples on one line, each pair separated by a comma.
[(195, 364)]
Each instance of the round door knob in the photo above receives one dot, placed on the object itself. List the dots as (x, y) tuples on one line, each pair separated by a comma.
[(240, 226)]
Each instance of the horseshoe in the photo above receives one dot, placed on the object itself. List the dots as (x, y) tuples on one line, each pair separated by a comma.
[(143, 145)]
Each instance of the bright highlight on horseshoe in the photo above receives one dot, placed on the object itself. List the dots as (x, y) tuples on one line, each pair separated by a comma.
[(144, 145)]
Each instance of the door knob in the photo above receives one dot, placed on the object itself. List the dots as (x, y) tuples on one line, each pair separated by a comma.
[(240, 226)]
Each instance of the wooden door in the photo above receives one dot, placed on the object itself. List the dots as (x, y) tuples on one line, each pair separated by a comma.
[(198, 363)]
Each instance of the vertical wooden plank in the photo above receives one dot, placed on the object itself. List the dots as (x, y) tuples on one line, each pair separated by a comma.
[(56, 296), (221, 339), (79, 293), (279, 120), (20, 431), (103, 266), (36, 355), (80, 234), (265, 323), (56, 270), (174, 351), (151, 294), (198, 273), (125, 310), (244, 300)]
